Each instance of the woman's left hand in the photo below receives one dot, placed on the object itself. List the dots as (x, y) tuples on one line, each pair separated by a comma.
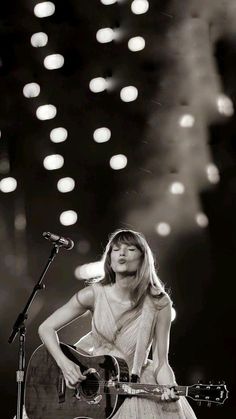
[(169, 394)]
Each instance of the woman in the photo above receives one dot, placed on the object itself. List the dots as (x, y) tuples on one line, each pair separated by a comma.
[(131, 311)]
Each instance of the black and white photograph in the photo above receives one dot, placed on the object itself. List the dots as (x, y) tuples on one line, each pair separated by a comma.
[(118, 209)]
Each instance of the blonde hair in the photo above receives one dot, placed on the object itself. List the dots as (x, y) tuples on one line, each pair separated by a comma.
[(146, 280)]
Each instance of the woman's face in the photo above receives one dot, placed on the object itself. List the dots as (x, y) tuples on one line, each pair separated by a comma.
[(125, 258)]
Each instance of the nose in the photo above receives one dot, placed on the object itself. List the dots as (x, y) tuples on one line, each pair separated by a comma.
[(122, 251)]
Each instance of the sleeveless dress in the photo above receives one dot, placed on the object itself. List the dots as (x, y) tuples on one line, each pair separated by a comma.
[(118, 338)]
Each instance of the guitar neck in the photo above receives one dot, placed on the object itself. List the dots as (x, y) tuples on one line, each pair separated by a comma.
[(138, 389)]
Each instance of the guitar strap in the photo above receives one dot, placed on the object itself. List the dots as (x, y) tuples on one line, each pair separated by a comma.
[(144, 336)]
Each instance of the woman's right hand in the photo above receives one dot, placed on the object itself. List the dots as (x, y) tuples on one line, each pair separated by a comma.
[(71, 372)]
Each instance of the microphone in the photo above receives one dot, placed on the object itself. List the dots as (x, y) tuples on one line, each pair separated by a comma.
[(68, 244)]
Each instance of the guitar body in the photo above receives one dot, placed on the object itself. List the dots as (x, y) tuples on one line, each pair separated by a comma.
[(103, 391), (47, 397)]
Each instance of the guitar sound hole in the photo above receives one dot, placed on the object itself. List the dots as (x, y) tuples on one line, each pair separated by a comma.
[(90, 386)]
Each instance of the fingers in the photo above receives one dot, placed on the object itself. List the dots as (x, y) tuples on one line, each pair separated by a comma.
[(165, 394), (169, 394), (69, 385), (73, 375)]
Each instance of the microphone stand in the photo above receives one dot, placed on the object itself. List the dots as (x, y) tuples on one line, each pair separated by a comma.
[(19, 327)]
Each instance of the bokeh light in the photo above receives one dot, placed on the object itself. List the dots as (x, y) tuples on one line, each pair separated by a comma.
[(39, 39), (90, 270), (58, 135), (83, 246), (68, 217), (4, 165), (8, 184), (177, 188), (53, 61), (20, 222), (44, 9), (31, 90), (108, 2), (118, 162), (98, 84), (105, 35), (46, 112), (225, 105), (187, 121), (139, 7), (201, 219), (163, 229), (53, 162), (212, 173), (65, 184), (102, 135), (137, 43), (129, 93)]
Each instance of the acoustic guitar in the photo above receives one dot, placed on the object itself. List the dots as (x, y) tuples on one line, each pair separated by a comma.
[(101, 394)]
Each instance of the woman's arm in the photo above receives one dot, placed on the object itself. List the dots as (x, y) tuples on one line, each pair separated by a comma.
[(164, 373), (75, 307)]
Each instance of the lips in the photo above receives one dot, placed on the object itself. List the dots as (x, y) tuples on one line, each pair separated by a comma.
[(121, 260)]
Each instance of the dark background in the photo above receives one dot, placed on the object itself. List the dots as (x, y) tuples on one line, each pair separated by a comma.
[(189, 59)]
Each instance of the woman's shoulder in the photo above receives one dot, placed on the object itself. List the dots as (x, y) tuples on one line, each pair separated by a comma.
[(161, 300), (85, 297), (97, 289), (96, 286)]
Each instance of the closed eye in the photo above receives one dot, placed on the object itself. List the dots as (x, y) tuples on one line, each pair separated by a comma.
[(129, 248)]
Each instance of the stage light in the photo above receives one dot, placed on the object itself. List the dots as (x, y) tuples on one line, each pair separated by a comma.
[(90, 270), (44, 9), (187, 121), (129, 93), (202, 219), (53, 61), (98, 84), (137, 43), (105, 35), (65, 184), (31, 90), (108, 2), (225, 105), (58, 135), (53, 162), (68, 218), (213, 173), (8, 184), (118, 162), (39, 39), (139, 7), (163, 229), (101, 135), (45, 112), (177, 188)]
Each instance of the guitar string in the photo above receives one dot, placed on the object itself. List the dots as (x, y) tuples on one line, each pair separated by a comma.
[(179, 389), (139, 386)]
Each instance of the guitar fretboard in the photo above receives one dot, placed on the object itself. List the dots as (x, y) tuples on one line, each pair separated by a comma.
[(123, 388)]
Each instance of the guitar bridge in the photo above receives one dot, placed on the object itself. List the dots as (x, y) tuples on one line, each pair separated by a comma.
[(96, 400)]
